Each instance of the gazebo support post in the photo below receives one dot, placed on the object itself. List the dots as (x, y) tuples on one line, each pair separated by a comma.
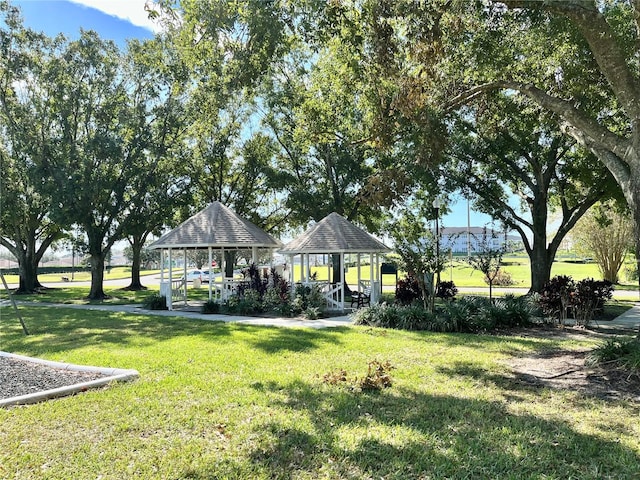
[(161, 265), (291, 282), (358, 264), (184, 251), (170, 297), (328, 262), (372, 267), (342, 280), (211, 277), (254, 255)]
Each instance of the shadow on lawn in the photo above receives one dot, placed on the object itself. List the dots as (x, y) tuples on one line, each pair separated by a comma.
[(59, 329), (407, 434), (295, 339)]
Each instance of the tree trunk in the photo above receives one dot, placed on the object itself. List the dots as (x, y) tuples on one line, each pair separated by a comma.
[(229, 262), (634, 203), (28, 260), (28, 274), (336, 268), (97, 277), (539, 256), (137, 244), (541, 263)]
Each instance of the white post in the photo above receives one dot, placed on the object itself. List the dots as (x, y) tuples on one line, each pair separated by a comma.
[(184, 251), (329, 269), (342, 268), (291, 277), (161, 265), (254, 255), (358, 264), (170, 298), (211, 274), (372, 267)]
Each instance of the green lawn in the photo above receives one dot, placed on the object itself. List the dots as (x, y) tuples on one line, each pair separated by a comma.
[(228, 401), (115, 273)]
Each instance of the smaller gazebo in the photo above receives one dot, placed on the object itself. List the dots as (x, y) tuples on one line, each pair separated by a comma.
[(335, 235), (218, 228)]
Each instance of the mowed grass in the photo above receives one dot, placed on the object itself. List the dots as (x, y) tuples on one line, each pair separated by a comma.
[(221, 400), (114, 273), (78, 295)]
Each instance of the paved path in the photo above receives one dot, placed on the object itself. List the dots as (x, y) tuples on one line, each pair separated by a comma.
[(340, 321), (628, 321)]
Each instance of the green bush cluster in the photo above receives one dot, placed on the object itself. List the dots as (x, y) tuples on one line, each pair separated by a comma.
[(468, 314), (155, 302), (271, 294), (624, 352), (562, 298)]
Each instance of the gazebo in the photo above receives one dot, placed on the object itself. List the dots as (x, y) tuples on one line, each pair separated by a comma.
[(335, 235), (218, 228)]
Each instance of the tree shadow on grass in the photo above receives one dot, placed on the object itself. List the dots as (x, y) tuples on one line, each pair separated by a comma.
[(403, 433), (59, 329), (296, 339)]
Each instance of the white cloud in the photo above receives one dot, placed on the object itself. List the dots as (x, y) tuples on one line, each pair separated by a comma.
[(130, 10)]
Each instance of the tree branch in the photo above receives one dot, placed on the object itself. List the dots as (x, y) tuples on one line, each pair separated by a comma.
[(603, 44)]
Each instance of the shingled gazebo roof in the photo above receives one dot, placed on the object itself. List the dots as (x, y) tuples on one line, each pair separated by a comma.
[(216, 226), (334, 234)]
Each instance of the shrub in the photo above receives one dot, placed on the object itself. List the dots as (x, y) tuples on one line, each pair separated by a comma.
[(414, 317), (155, 302), (249, 303), (555, 297), (518, 311), (589, 298), (312, 313), (479, 314), (624, 352), (446, 290), (211, 306), (631, 272), (468, 314), (501, 279), (381, 315), (408, 290), (308, 296), (561, 296)]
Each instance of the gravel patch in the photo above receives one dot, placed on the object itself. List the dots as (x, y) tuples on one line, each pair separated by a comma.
[(20, 377)]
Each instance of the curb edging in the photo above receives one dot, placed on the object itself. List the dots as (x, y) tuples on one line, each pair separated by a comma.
[(111, 375)]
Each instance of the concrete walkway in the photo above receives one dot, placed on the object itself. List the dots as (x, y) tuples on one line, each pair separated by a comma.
[(340, 321), (627, 322)]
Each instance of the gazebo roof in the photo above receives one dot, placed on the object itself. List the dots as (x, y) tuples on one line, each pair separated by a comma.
[(216, 226), (334, 234)]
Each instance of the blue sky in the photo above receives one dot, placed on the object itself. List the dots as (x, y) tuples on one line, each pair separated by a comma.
[(120, 20), (116, 20)]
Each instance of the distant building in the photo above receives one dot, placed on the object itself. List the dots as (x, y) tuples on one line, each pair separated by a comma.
[(463, 239)]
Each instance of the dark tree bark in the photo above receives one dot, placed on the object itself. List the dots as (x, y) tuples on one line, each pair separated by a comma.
[(137, 244)]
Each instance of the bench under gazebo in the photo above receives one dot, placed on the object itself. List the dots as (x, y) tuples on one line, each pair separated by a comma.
[(217, 229), (336, 237)]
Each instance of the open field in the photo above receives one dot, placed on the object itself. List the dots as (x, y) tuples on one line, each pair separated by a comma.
[(458, 271), (115, 273), (227, 401)]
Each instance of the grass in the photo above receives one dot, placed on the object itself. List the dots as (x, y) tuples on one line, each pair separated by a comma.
[(78, 295), (464, 276), (230, 401), (115, 273)]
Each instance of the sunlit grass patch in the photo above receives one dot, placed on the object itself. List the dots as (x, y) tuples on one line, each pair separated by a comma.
[(218, 400)]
